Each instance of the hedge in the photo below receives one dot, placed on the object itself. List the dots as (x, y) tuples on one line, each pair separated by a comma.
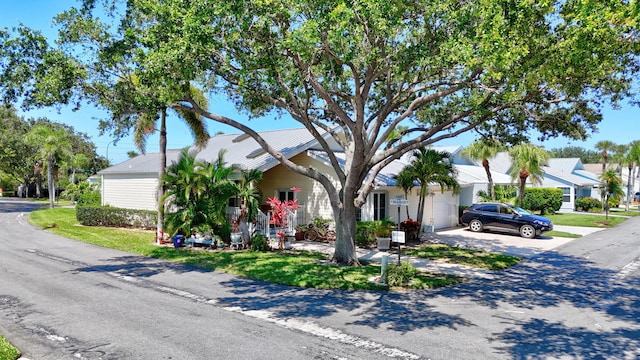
[(545, 200), (588, 204), (116, 217)]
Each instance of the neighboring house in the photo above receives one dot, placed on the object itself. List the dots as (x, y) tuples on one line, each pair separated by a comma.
[(624, 171), (575, 181), (567, 174), (472, 177)]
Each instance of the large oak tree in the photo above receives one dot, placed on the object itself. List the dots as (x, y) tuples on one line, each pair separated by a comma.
[(359, 69)]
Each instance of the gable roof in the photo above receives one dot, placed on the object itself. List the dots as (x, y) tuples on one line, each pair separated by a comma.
[(141, 164), (241, 150), (566, 165)]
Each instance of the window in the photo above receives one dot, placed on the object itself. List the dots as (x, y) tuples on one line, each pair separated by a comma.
[(286, 195), (379, 206), (488, 208), (506, 210), (566, 194)]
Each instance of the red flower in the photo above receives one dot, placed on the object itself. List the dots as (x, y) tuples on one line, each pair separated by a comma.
[(280, 209)]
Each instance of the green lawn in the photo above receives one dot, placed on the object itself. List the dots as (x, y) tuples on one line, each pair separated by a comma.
[(7, 351), (586, 219), (294, 268), (468, 257)]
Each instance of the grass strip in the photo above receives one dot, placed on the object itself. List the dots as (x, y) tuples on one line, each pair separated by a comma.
[(585, 220), (469, 257), (8, 351), (563, 234)]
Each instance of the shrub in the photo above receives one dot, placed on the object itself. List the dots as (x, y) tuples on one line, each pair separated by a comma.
[(411, 228), (545, 200), (116, 217), (400, 274), (259, 243), (507, 194), (588, 204), (91, 198), (613, 202), (365, 233)]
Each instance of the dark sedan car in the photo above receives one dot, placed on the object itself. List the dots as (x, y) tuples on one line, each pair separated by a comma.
[(504, 217)]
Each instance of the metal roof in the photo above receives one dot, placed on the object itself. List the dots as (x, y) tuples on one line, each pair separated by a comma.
[(241, 150), (570, 177)]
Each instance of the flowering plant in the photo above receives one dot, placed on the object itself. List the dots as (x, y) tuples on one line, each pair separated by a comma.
[(281, 208), (411, 228)]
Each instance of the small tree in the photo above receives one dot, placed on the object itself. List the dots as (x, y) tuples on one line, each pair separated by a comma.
[(528, 161), (428, 167), (199, 193), (52, 144), (484, 149), (611, 186)]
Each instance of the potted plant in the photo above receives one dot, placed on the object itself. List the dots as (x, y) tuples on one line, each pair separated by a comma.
[(280, 210), (383, 236), (236, 235), (300, 231)]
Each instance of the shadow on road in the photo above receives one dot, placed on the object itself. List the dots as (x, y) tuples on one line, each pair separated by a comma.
[(546, 281), (10, 206), (140, 266)]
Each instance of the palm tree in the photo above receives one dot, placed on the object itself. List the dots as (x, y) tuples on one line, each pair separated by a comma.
[(429, 166), (146, 123), (248, 194), (605, 147), (405, 181), (611, 187), (528, 161), (199, 193), (52, 144), (484, 149)]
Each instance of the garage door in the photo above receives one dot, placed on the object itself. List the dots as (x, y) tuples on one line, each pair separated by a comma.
[(445, 210)]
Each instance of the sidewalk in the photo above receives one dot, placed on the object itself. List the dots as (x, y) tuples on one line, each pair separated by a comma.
[(374, 255)]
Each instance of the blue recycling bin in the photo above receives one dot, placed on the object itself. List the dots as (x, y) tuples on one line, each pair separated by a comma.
[(178, 240)]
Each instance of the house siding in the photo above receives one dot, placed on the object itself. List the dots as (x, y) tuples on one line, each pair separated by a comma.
[(312, 197), (441, 209), (130, 191)]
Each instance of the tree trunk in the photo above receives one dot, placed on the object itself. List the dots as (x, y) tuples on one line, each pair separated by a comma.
[(345, 246), (421, 202), (629, 187), (485, 164), (161, 172), (523, 184), (38, 174), (50, 183)]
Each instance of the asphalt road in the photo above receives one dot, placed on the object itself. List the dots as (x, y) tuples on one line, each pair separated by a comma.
[(62, 299)]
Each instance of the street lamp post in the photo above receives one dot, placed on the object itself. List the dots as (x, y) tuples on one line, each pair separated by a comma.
[(110, 142)]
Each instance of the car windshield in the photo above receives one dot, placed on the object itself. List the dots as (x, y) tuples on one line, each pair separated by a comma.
[(521, 211)]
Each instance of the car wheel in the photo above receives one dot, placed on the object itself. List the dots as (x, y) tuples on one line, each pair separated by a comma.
[(475, 225), (527, 231)]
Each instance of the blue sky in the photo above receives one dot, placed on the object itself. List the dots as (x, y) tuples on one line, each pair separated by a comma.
[(620, 126)]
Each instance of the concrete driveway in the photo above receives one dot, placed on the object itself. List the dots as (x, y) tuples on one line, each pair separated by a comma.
[(505, 243)]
